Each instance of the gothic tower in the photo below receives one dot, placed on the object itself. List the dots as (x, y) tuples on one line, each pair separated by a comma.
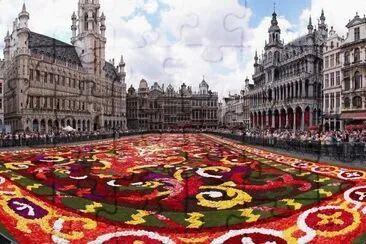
[(88, 35)]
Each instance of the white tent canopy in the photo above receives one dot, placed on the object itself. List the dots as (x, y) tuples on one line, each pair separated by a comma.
[(68, 128)]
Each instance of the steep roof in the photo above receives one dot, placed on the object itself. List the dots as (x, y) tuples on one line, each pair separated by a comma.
[(53, 48), (111, 71)]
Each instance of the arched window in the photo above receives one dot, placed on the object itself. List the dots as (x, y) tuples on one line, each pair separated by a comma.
[(357, 56), (357, 102), (346, 57), (358, 80), (346, 102), (86, 22)]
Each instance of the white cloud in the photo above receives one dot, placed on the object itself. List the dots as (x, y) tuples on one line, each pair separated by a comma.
[(194, 38)]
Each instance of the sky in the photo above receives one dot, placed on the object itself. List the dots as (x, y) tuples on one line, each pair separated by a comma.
[(176, 41)]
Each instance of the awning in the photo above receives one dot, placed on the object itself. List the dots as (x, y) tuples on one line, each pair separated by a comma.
[(353, 115)]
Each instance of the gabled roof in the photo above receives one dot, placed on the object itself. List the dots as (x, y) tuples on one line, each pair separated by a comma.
[(110, 71), (356, 21), (53, 48)]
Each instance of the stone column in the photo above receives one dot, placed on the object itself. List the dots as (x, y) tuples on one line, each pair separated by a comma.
[(279, 120), (316, 118), (273, 120), (302, 120), (286, 118), (311, 117)]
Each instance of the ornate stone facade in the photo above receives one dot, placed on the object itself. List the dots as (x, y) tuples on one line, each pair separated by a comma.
[(2, 124), (233, 111), (288, 80), (354, 72), (160, 108), (52, 84), (332, 86)]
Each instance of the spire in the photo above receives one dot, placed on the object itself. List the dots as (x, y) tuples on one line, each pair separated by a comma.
[(310, 26), (274, 21), (256, 57), (23, 17), (7, 39), (322, 16), (102, 24), (322, 26), (121, 62)]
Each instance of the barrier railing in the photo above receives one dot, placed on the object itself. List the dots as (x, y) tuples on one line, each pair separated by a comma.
[(341, 151), (56, 140)]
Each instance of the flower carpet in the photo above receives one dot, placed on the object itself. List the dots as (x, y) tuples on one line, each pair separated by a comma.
[(177, 188)]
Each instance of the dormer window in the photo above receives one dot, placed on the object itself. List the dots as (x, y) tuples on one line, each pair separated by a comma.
[(357, 33)]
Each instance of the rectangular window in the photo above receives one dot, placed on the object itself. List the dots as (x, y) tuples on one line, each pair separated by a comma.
[(45, 77), (1, 88), (332, 60), (38, 75), (326, 81), (338, 78), (347, 84), (357, 33), (338, 100), (338, 60), (51, 78), (1, 103), (30, 74), (30, 102), (57, 77), (332, 79), (38, 102), (326, 101), (327, 62), (332, 101), (63, 80)]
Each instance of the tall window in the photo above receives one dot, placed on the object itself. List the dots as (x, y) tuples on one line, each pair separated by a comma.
[(346, 102), (346, 57), (357, 33), (357, 56), (357, 102), (51, 78), (38, 102), (45, 77), (338, 99), (326, 101), (347, 84), (332, 60), (338, 61), (327, 62), (38, 75), (326, 80), (332, 79), (31, 74), (332, 101), (1, 88), (358, 80), (338, 78)]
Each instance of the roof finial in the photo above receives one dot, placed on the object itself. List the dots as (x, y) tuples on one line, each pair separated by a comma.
[(274, 6)]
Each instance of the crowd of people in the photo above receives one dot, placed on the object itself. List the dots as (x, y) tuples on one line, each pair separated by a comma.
[(27, 138), (24, 138), (324, 137)]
